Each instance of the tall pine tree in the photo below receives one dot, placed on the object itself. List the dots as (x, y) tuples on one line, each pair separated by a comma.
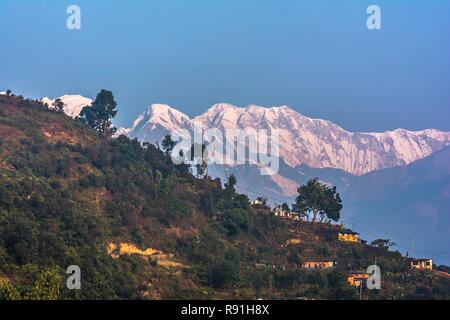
[(99, 115)]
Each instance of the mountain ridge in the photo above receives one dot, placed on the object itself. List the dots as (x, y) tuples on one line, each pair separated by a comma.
[(315, 142)]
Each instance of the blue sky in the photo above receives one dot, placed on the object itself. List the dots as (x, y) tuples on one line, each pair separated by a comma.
[(318, 57)]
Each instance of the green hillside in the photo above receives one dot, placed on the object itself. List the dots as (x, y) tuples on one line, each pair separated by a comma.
[(140, 227)]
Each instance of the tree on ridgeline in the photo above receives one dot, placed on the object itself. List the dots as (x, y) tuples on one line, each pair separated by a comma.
[(168, 144), (58, 105), (99, 115), (229, 185), (383, 243), (318, 199), (199, 157), (262, 200)]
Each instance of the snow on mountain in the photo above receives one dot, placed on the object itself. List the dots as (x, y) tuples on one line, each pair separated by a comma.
[(123, 131), (156, 122), (73, 104), (314, 142)]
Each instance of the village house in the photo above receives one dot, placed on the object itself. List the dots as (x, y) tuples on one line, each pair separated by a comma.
[(260, 265), (355, 278), (348, 236), (294, 216), (284, 214), (422, 264), (255, 202), (318, 265), (277, 211)]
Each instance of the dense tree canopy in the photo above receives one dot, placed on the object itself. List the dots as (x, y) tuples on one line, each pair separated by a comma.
[(99, 115), (319, 199)]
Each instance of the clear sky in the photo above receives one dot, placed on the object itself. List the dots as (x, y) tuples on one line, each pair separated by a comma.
[(317, 57)]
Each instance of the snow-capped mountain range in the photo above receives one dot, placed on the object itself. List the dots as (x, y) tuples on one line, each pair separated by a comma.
[(316, 143), (302, 140)]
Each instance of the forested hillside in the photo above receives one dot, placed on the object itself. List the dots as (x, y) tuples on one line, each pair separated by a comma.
[(140, 227)]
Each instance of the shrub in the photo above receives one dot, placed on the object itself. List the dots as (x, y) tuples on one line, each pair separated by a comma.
[(236, 220), (322, 249), (227, 270)]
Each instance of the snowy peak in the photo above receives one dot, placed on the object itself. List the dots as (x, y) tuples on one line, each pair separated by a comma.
[(73, 104), (156, 122), (227, 116), (220, 113), (162, 113)]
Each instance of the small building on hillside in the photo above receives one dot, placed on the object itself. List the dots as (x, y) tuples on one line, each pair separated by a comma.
[(294, 216), (284, 214), (422, 264), (260, 265), (255, 202), (348, 236), (355, 278), (277, 211), (318, 265)]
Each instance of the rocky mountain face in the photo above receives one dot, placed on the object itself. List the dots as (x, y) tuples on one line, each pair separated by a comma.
[(313, 142)]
